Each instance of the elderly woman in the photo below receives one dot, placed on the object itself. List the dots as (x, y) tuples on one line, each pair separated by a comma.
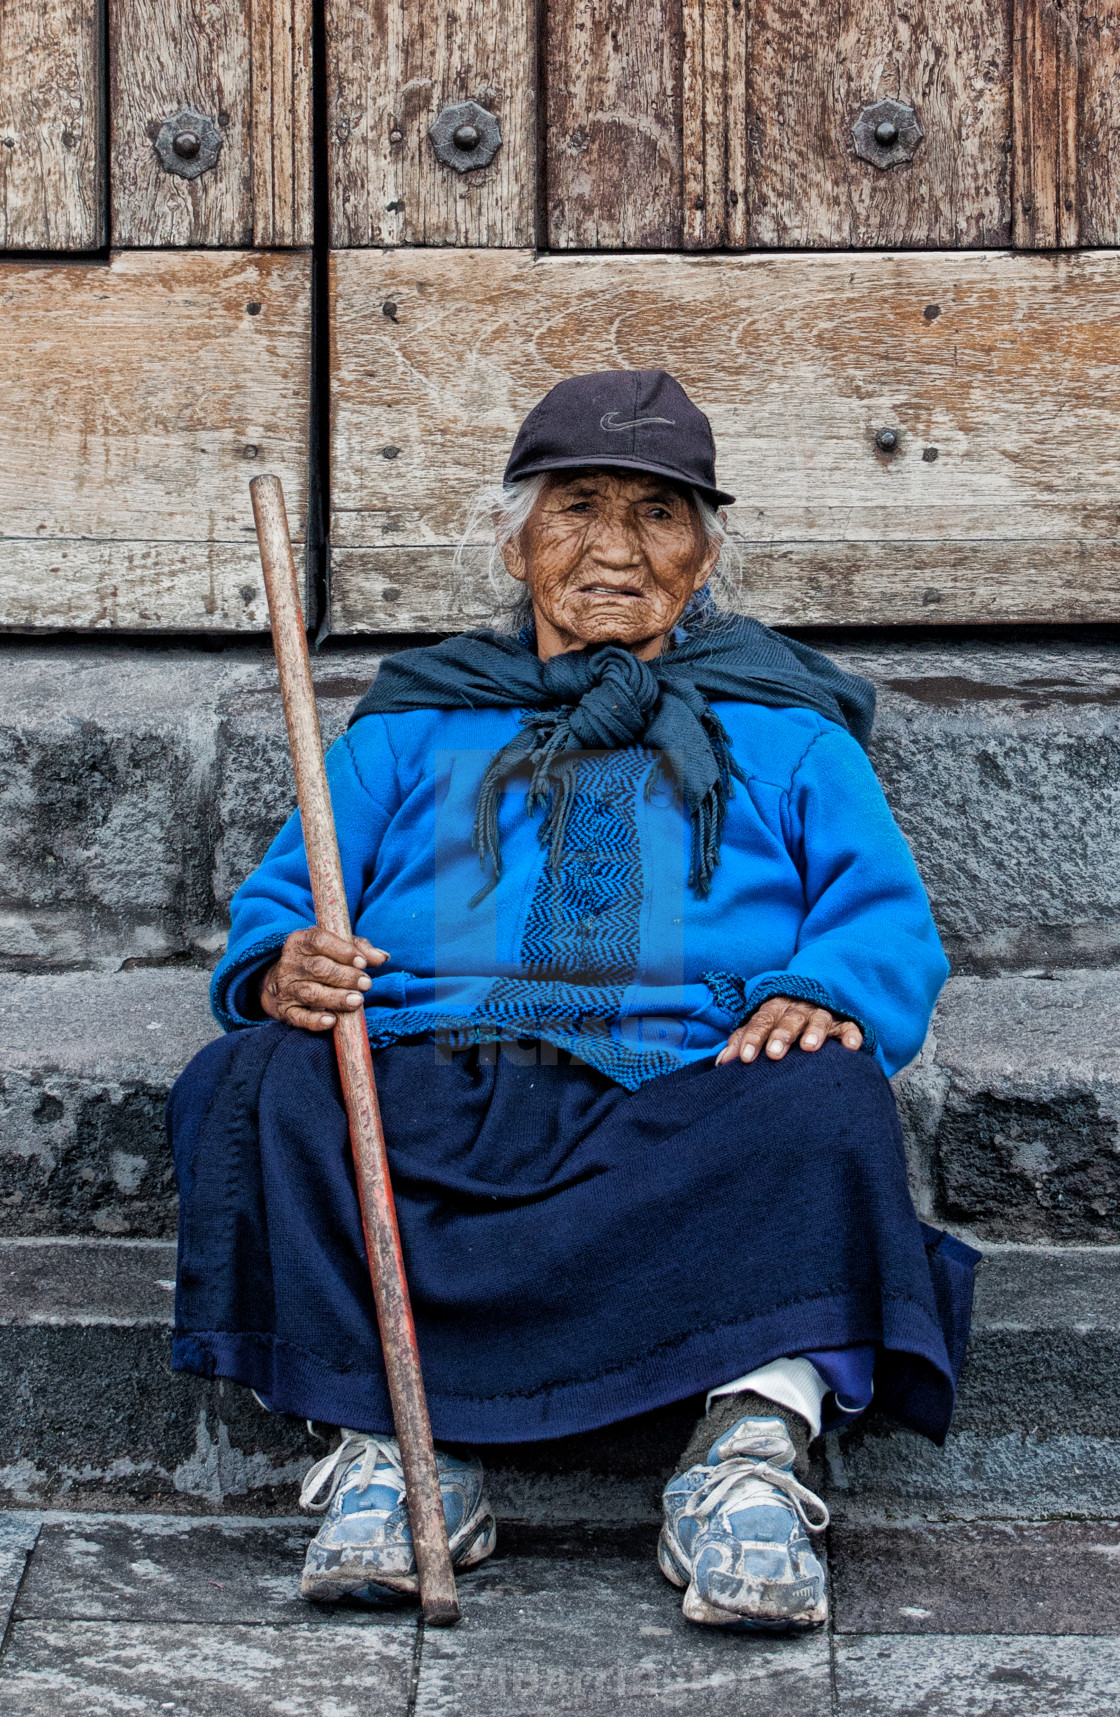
[(638, 944)]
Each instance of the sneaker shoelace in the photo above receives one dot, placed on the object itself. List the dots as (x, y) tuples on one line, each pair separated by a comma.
[(322, 1482), (725, 1477)]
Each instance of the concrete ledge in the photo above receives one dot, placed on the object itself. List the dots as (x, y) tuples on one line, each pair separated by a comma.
[(1012, 1109), (128, 1284), (139, 785), (1011, 1113), (92, 1416), (138, 788), (86, 1062), (1019, 1289)]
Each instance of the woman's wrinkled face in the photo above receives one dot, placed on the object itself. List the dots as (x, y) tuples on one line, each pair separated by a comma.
[(609, 557)]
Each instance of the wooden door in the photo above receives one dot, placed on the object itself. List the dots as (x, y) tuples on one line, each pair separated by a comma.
[(873, 237), (156, 346)]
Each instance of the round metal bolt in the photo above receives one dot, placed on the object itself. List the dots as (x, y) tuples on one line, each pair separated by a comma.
[(886, 440), (188, 144), (396, 136), (465, 136), (886, 134)]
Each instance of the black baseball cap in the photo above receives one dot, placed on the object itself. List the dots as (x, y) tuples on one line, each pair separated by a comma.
[(636, 420)]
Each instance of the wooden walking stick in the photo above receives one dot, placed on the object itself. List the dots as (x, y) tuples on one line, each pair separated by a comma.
[(367, 1140)]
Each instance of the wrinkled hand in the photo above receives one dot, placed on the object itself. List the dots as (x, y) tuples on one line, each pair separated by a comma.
[(783, 1021), (314, 979)]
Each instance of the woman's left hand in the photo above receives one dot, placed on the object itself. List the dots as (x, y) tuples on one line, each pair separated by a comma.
[(783, 1021)]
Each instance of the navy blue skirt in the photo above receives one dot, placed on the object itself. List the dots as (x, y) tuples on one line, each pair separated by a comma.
[(577, 1253)]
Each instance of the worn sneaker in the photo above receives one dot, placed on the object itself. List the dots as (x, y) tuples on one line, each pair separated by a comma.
[(364, 1547), (735, 1535)]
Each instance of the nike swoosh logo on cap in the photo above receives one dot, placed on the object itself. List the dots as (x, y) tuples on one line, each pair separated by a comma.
[(607, 421)]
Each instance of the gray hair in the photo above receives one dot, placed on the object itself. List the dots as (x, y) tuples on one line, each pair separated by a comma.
[(507, 506)]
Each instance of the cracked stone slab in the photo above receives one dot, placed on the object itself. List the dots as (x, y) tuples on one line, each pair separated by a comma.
[(1001, 762), (595, 1636), (167, 1568), (18, 1533), (1048, 1288), (986, 1676), (982, 1577), (99, 1669)]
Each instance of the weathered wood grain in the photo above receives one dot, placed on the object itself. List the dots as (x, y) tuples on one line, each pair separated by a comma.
[(714, 123), (245, 66), (77, 584), (1098, 131), (392, 66), (811, 69), (280, 63), (1045, 124), (52, 191), (999, 371), (946, 583), (614, 81), (140, 395)]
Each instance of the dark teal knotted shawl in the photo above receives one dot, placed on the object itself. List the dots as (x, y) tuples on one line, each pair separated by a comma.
[(603, 698)]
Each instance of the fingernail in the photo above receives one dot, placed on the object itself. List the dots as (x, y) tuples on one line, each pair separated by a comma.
[(353, 1000), (749, 1052), (810, 1040), (364, 983), (359, 960), (775, 1049), (328, 1019)]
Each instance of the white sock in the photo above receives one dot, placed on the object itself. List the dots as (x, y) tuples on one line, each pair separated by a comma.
[(793, 1383)]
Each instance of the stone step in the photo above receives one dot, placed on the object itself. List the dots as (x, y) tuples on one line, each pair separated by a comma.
[(86, 1062), (92, 1417), (151, 1612), (1011, 1112), (140, 783)]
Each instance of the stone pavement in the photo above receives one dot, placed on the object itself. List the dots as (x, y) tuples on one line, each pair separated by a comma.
[(143, 1613)]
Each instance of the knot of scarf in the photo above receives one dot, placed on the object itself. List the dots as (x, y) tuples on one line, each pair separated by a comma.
[(607, 699), (611, 695)]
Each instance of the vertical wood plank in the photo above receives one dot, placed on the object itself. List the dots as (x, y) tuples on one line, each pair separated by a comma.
[(714, 123), (1045, 124), (245, 65), (738, 59), (704, 104), (1099, 127), (52, 192), (392, 66), (165, 56), (281, 121), (811, 69), (614, 73)]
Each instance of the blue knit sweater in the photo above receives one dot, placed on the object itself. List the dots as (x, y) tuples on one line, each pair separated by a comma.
[(613, 956)]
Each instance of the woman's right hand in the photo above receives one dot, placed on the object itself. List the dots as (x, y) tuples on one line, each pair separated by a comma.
[(314, 979)]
